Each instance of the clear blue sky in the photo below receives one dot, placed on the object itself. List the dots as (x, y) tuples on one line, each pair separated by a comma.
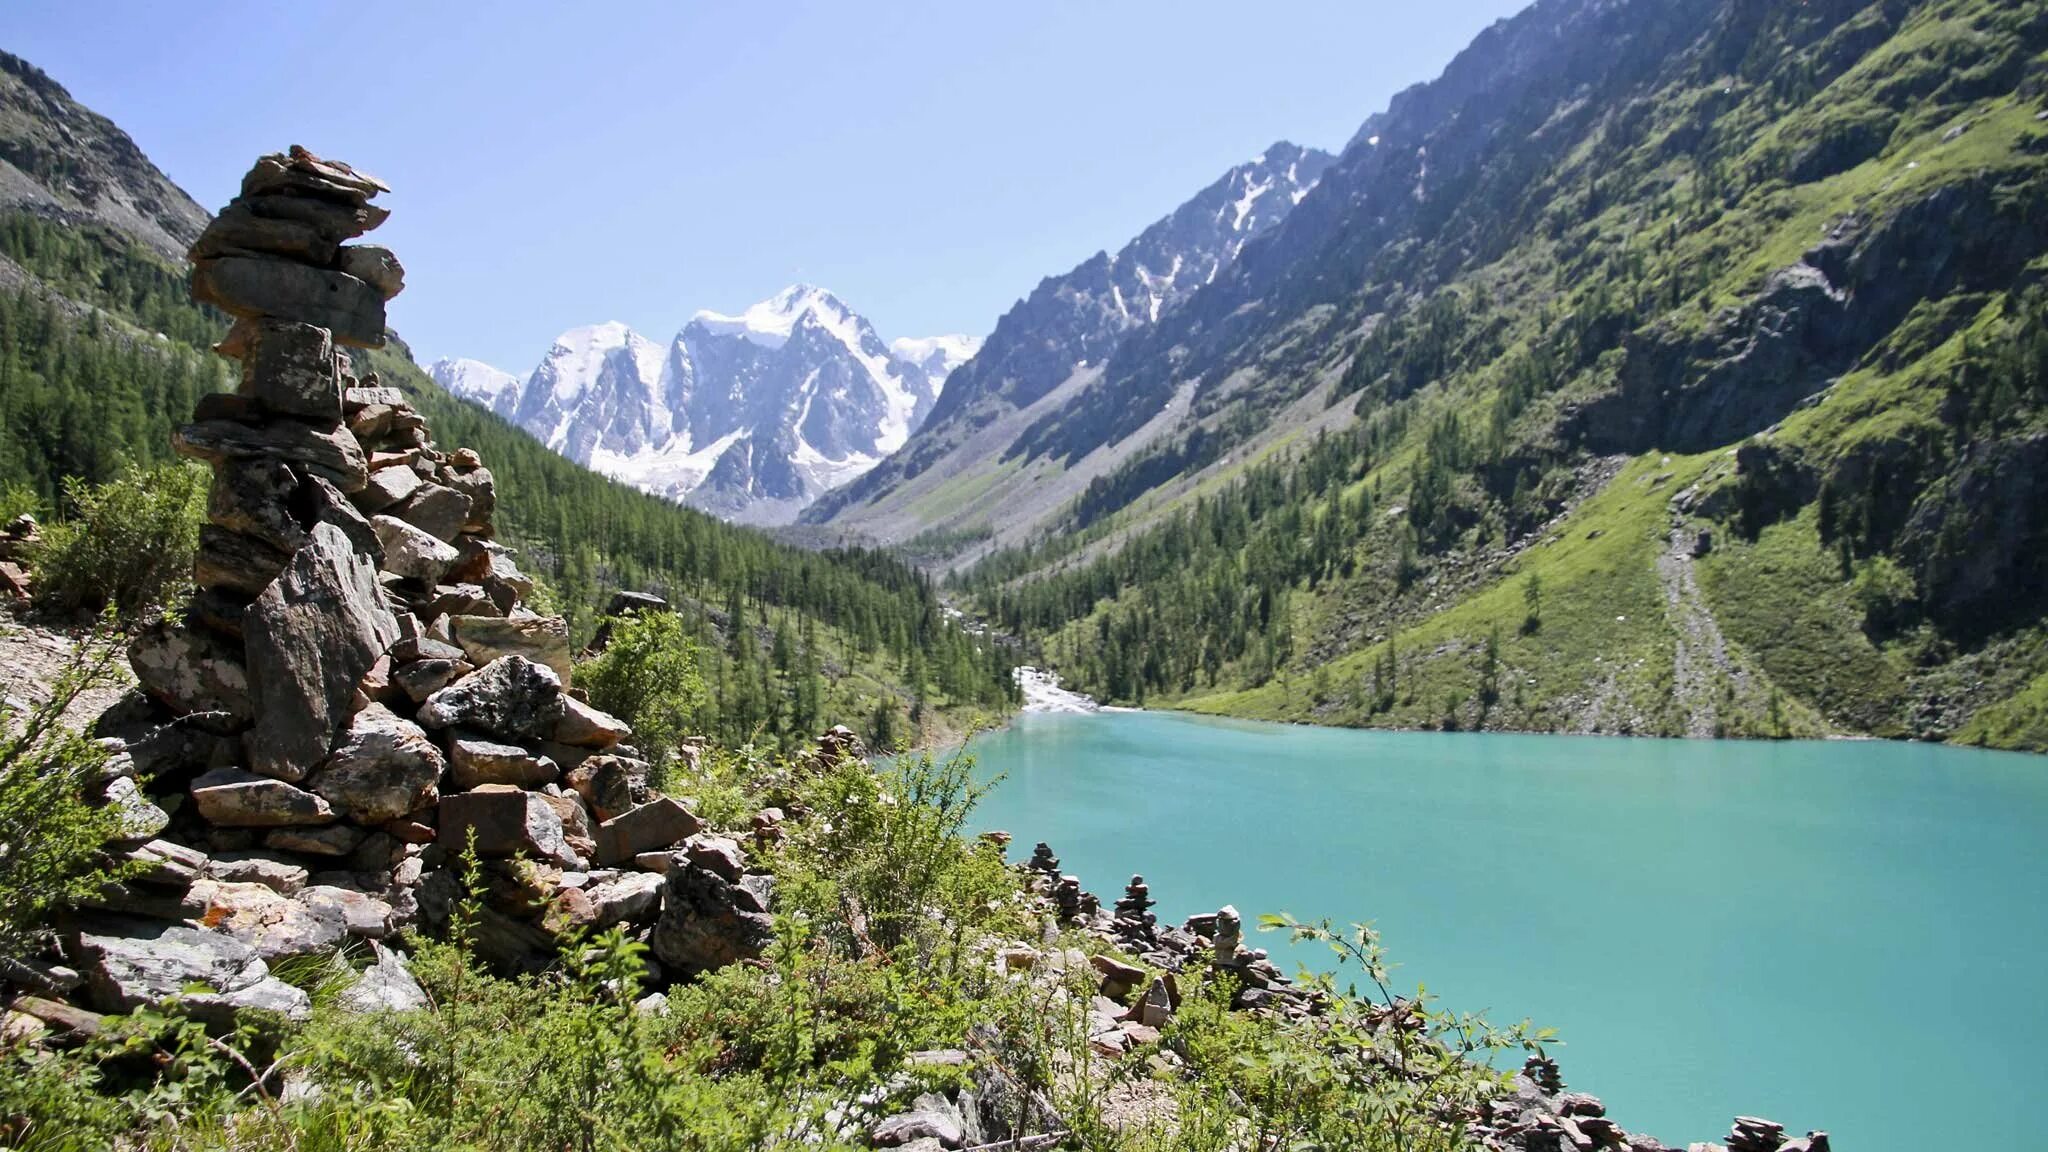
[(561, 164)]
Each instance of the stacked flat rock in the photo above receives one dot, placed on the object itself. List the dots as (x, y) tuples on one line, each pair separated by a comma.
[(359, 692), (1042, 860), (1135, 906)]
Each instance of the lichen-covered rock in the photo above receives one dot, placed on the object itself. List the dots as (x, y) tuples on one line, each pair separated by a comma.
[(509, 697), (290, 369), (233, 798), (384, 768), (505, 821), (543, 639), (250, 287), (253, 497), (412, 552), (231, 562), (130, 964), (385, 986), (310, 638), (478, 762), (190, 670), (245, 867), (704, 924)]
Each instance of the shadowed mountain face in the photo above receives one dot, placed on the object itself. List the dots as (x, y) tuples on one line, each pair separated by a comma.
[(1077, 320), (751, 416)]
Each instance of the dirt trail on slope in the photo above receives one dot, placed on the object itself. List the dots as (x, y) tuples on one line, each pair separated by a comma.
[(1702, 661)]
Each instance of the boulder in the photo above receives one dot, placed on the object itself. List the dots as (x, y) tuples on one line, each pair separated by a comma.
[(274, 925), (438, 511), (588, 727), (232, 798), (577, 825), (290, 370), (411, 552), (543, 639), (385, 986), (932, 1117), (131, 964), (506, 821), (139, 818), (250, 287), (720, 854), (301, 173), (422, 678), (239, 231), (331, 451), (374, 266), (385, 768), (630, 897), (253, 497), (245, 867), (387, 487), (190, 670), (165, 864), (310, 638), (479, 761), (510, 697), (231, 562), (655, 824), (611, 785), (704, 924), (482, 489)]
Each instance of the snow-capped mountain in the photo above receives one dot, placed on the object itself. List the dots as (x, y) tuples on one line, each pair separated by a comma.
[(751, 416)]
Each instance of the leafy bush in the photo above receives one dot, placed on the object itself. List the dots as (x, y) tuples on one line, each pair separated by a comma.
[(50, 835), (127, 543), (647, 676)]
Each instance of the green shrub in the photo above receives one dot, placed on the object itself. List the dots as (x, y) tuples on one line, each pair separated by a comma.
[(50, 835), (127, 543), (647, 676)]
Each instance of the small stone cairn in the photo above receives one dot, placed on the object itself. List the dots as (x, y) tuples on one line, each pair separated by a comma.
[(358, 692)]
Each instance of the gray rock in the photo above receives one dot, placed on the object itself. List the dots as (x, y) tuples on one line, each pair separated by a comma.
[(718, 853), (478, 762), (510, 697), (232, 798), (656, 824), (166, 864), (310, 637), (130, 964), (290, 369), (704, 925), (253, 497), (357, 399), (190, 671), (276, 926), (331, 451), (251, 287), (333, 221), (331, 840), (385, 986), (482, 489), (413, 553), (245, 867), (422, 678), (326, 504), (374, 266), (231, 562), (438, 511), (611, 785), (385, 768), (755, 892), (588, 727), (631, 897), (387, 487), (932, 1117), (543, 639), (507, 821), (239, 231), (139, 818)]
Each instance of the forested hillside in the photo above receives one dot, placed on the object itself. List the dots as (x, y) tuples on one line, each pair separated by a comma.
[(1663, 368), (102, 354)]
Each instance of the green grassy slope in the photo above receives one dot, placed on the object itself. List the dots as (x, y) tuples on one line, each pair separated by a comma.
[(1584, 353)]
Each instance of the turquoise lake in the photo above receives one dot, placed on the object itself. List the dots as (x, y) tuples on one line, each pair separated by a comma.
[(1847, 936)]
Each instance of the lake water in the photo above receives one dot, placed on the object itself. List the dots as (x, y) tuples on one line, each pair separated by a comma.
[(1849, 936)]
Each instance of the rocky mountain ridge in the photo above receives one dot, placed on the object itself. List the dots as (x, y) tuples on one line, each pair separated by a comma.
[(1056, 338), (749, 416)]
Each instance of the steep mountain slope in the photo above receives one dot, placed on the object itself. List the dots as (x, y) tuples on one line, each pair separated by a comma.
[(102, 353), (751, 416), (63, 161), (945, 481), (1663, 367)]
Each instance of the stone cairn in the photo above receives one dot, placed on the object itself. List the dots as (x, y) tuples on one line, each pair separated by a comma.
[(358, 693)]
